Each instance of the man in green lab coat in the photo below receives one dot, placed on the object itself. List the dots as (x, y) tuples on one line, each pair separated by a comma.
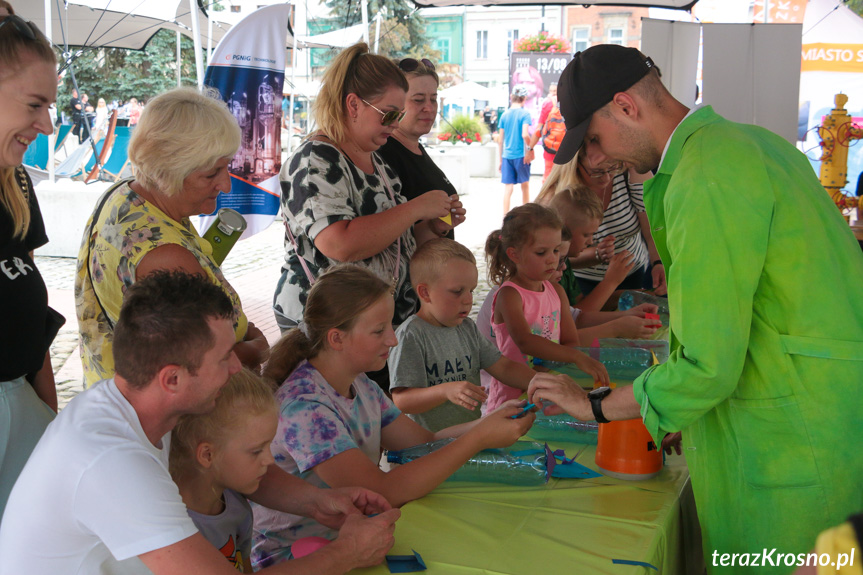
[(765, 288)]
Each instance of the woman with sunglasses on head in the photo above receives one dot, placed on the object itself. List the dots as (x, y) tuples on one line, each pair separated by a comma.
[(28, 398), (403, 151), (624, 223), (340, 199)]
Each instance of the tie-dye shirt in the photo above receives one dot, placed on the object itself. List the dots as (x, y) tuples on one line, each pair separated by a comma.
[(315, 424)]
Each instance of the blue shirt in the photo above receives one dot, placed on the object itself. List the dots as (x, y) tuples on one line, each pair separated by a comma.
[(512, 123)]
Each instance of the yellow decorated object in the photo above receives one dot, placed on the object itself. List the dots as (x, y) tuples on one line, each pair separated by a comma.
[(836, 133)]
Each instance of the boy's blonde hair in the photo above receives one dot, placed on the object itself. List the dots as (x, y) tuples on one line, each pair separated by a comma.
[(429, 260), (245, 395), (577, 205)]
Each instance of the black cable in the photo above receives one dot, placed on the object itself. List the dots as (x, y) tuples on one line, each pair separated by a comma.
[(835, 8)]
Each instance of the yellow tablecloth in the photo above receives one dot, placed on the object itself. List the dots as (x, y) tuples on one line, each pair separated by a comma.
[(568, 526)]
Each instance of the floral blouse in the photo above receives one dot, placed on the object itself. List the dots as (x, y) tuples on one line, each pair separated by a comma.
[(128, 229), (316, 423)]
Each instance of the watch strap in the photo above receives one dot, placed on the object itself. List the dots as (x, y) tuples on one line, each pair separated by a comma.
[(596, 406)]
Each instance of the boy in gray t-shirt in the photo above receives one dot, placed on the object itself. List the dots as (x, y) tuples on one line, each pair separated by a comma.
[(434, 369)]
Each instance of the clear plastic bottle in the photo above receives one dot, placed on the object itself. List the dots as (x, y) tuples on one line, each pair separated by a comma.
[(624, 365), (629, 299), (563, 427), (657, 346), (522, 463)]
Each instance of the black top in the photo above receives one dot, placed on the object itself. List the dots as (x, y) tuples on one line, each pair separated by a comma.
[(418, 174), (74, 103), (28, 325)]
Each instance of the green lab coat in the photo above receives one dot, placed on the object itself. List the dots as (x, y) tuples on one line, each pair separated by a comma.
[(765, 379)]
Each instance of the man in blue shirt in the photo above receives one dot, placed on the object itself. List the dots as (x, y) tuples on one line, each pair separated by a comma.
[(514, 147)]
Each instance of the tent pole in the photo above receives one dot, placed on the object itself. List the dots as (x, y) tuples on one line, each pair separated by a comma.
[(48, 32), (364, 6), (209, 35), (179, 60), (293, 89), (196, 37), (377, 32)]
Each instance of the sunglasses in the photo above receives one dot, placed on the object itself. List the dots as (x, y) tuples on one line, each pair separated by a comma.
[(411, 64), (387, 118), (25, 28)]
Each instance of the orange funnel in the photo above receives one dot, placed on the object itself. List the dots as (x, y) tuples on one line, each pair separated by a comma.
[(626, 450)]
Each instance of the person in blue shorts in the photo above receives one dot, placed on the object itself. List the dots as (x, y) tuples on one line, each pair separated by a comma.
[(514, 146)]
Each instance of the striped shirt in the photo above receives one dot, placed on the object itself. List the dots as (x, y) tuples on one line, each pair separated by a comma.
[(620, 219)]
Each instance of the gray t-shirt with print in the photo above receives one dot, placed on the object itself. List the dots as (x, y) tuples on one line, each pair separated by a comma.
[(428, 355), (230, 531)]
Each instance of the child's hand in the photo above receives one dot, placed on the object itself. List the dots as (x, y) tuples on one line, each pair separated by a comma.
[(619, 267), (591, 367), (465, 394), (672, 441), (605, 249), (499, 429), (642, 309), (634, 327)]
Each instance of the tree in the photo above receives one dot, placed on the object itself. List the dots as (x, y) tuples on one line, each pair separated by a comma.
[(402, 29), (856, 6), (119, 74)]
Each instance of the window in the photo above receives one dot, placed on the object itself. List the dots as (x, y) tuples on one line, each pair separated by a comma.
[(235, 8), (442, 46), (482, 44), (615, 36), (580, 39), (511, 39)]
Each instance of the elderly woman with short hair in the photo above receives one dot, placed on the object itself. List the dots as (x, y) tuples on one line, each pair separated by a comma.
[(180, 152)]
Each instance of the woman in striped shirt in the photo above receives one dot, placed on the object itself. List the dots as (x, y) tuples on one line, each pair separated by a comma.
[(624, 225)]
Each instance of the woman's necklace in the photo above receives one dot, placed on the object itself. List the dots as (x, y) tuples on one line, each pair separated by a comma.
[(605, 195)]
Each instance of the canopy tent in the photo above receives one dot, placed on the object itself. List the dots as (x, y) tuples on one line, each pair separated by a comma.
[(468, 91), (334, 38), (675, 4), (116, 23)]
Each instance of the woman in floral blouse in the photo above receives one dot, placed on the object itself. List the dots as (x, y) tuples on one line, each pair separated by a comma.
[(180, 151)]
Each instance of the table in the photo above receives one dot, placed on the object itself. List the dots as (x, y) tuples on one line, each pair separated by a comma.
[(566, 526)]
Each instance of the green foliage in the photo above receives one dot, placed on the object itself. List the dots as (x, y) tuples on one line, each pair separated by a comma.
[(118, 74), (856, 6), (463, 128), (402, 29)]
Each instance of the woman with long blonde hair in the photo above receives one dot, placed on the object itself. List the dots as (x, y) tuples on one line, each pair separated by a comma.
[(28, 398)]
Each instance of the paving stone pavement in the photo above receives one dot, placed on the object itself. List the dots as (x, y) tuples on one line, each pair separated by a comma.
[(253, 267)]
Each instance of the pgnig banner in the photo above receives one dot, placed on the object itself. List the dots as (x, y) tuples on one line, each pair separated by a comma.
[(248, 70)]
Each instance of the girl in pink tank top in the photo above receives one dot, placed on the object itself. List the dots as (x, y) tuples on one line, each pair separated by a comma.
[(526, 312)]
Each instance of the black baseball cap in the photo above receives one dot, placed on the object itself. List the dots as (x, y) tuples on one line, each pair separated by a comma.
[(589, 82)]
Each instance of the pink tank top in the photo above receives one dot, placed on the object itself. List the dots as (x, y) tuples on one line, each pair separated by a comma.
[(542, 312)]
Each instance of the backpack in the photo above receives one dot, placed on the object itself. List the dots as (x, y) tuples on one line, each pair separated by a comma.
[(553, 131)]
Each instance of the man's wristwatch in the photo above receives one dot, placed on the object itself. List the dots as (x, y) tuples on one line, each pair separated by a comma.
[(596, 396)]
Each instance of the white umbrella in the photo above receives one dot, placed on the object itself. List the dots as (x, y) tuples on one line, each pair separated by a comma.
[(678, 4), (468, 91), (115, 23), (333, 39)]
